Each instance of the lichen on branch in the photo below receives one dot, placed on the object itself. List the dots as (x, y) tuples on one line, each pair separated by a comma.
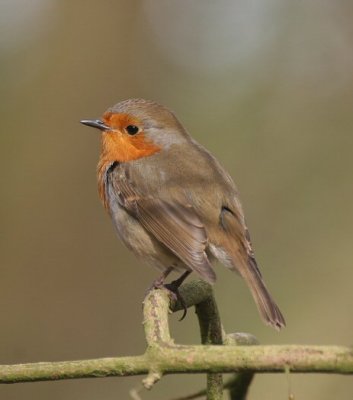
[(164, 357)]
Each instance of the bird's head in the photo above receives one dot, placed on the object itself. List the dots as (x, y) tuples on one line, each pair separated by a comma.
[(137, 128)]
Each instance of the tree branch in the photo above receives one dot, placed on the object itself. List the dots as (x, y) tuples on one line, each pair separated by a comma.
[(211, 333), (191, 359), (239, 384), (164, 357)]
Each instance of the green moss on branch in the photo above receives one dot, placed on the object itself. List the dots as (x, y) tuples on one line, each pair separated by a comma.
[(164, 357)]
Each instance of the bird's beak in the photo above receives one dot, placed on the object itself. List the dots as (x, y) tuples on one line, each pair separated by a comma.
[(96, 123)]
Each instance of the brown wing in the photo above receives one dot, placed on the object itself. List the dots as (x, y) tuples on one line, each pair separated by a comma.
[(239, 245), (175, 225)]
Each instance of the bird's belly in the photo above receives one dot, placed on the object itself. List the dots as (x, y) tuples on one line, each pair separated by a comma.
[(140, 242)]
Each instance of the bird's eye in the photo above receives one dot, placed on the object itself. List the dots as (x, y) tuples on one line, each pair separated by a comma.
[(132, 129)]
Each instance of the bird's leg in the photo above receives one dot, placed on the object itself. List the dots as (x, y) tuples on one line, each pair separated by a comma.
[(159, 282), (178, 282), (174, 288)]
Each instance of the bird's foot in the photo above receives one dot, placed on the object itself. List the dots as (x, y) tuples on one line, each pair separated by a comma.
[(172, 287), (173, 290), (159, 282)]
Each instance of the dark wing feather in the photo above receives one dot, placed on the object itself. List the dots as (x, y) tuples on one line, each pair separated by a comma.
[(239, 245), (175, 225)]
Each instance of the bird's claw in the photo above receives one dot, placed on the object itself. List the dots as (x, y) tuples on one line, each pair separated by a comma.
[(173, 288)]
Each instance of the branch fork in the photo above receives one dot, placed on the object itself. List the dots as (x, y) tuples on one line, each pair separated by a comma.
[(217, 354)]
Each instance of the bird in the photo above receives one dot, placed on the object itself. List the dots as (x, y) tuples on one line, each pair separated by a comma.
[(171, 202)]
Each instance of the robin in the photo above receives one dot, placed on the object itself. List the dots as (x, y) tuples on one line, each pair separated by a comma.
[(172, 203)]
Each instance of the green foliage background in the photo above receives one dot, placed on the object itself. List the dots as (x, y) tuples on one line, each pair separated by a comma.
[(266, 86)]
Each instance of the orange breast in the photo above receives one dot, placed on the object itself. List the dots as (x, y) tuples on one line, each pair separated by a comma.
[(118, 146)]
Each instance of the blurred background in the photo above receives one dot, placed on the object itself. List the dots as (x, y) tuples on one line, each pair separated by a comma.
[(266, 86)]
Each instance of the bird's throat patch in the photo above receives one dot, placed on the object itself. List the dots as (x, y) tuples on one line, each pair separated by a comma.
[(119, 146)]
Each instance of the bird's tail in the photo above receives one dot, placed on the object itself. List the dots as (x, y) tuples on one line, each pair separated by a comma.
[(267, 307)]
